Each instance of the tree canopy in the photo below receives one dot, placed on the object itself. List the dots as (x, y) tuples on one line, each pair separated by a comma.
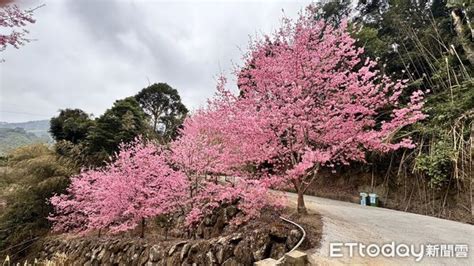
[(163, 104), (70, 125), (123, 122)]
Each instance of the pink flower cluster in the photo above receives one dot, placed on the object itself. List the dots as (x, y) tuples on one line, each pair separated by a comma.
[(12, 17), (138, 184)]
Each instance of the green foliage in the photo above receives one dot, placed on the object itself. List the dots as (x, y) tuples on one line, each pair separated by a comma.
[(335, 10), (448, 105), (438, 164), (17, 137), (121, 123), (438, 159), (90, 142), (33, 174), (368, 38), (409, 37), (71, 125), (163, 105)]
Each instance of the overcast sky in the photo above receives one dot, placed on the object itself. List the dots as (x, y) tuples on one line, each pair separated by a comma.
[(89, 53)]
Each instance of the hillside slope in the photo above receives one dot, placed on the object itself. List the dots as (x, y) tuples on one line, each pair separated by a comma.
[(14, 135)]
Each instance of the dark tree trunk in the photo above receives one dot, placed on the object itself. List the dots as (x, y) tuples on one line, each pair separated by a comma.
[(142, 233), (301, 206), (154, 124)]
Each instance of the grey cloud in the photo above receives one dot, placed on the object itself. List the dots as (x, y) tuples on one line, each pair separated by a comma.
[(91, 52)]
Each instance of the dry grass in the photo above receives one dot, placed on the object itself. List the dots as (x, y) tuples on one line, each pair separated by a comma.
[(59, 259)]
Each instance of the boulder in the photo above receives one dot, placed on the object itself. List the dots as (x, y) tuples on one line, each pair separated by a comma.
[(210, 258), (278, 233), (156, 253), (224, 252), (174, 259), (173, 248), (184, 251), (293, 238), (105, 256), (267, 262), (278, 250), (260, 245), (296, 258), (197, 252), (243, 252), (144, 256)]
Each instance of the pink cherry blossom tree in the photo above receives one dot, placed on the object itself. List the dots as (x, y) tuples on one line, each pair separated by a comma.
[(12, 22), (138, 185), (211, 139), (211, 148), (323, 105)]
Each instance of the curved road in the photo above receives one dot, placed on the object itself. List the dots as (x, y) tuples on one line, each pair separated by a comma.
[(348, 222)]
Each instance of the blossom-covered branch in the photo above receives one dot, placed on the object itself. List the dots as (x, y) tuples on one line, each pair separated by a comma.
[(13, 20)]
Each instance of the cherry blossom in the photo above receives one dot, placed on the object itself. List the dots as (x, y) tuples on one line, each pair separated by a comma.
[(13, 20), (139, 184)]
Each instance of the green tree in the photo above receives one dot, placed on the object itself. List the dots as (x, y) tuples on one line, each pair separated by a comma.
[(335, 10), (34, 174), (163, 105), (70, 125), (121, 123)]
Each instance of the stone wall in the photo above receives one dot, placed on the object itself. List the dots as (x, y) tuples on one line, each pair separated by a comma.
[(232, 249)]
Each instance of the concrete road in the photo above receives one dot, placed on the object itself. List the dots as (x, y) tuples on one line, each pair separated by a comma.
[(346, 222)]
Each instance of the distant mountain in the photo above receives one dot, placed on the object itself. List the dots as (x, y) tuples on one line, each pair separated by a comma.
[(30, 126), (14, 135)]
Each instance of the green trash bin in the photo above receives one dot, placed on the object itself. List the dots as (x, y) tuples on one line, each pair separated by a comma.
[(364, 199), (373, 199)]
